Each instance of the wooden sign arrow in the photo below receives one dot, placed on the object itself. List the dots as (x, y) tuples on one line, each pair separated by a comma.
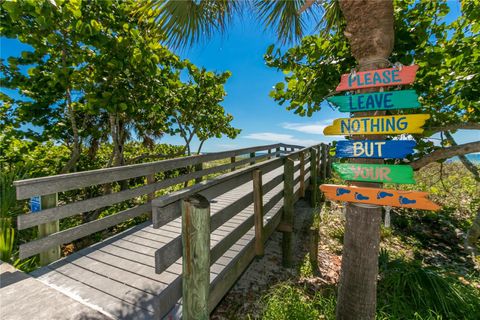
[(411, 123), (378, 78), (382, 197), (384, 173), (391, 100), (394, 149)]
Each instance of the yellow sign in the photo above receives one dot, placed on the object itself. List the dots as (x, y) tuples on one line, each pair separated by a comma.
[(398, 124)]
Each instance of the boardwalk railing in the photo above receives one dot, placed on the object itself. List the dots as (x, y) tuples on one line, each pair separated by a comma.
[(301, 169), (276, 176), (52, 185)]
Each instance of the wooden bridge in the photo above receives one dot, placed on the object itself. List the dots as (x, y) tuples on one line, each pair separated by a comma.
[(137, 274)]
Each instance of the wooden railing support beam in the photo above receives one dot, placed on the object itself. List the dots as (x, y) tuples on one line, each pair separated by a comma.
[(199, 167), (196, 257), (232, 160), (52, 254), (287, 217), (313, 177), (258, 211), (302, 174), (329, 162), (324, 162), (252, 155)]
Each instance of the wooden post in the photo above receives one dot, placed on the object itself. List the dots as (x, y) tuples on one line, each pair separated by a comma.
[(252, 155), (329, 162), (269, 153), (313, 177), (319, 156), (313, 248), (324, 162), (287, 216), (199, 167), (52, 254), (232, 160), (149, 179), (292, 149), (258, 211), (277, 150), (196, 257), (302, 174)]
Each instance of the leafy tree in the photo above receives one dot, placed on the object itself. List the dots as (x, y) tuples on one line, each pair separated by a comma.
[(195, 108)]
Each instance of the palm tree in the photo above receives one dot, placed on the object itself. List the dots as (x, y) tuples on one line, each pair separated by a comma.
[(369, 29)]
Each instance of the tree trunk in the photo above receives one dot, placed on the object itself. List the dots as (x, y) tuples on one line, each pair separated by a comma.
[(370, 33), (467, 163)]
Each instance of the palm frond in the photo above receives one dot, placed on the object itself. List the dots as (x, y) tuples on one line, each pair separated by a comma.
[(332, 17), (186, 22), (285, 17)]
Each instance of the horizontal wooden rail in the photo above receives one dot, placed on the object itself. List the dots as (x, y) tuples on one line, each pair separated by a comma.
[(70, 181), (56, 213), (66, 236)]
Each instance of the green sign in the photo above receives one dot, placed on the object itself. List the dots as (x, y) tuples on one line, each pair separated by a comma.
[(383, 173), (390, 100)]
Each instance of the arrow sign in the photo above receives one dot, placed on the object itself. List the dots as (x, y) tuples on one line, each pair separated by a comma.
[(383, 173), (395, 149), (411, 123), (378, 78), (382, 197), (391, 100)]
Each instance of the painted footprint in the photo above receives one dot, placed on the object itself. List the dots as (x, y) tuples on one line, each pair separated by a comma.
[(384, 194), (359, 196), (342, 191), (405, 200)]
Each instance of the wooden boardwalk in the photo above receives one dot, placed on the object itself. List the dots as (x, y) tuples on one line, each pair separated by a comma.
[(117, 276)]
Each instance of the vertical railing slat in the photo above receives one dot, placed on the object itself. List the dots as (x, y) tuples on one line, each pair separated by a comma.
[(52, 254), (258, 211), (287, 216)]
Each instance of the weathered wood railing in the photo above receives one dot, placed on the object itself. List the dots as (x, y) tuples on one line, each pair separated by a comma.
[(301, 169), (48, 186)]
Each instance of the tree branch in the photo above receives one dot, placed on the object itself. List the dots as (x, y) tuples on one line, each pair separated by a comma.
[(446, 153), (467, 163), (455, 126)]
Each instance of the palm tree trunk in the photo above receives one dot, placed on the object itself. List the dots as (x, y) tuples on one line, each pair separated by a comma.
[(370, 33)]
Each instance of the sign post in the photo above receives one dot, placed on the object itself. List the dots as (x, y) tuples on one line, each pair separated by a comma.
[(377, 149)]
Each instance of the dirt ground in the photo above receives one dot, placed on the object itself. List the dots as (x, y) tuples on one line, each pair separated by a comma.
[(245, 297)]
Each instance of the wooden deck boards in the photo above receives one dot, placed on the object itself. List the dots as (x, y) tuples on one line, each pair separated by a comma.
[(117, 276)]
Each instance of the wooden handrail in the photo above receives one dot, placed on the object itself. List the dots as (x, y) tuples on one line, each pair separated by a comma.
[(70, 181)]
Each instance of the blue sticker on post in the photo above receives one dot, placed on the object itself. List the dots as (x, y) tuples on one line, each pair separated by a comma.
[(35, 204), (391, 149)]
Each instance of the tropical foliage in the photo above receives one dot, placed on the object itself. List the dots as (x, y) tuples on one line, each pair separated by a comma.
[(447, 82)]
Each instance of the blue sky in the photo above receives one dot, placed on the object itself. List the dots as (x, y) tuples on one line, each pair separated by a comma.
[(240, 50)]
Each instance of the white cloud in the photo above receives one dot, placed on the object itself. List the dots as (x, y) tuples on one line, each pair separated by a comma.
[(280, 138), (311, 128)]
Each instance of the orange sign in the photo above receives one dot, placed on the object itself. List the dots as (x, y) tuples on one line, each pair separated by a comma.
[(381, 197), (378, 78)]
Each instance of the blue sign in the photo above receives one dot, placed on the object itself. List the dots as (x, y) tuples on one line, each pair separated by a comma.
[(35, 204), (395, 149)]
